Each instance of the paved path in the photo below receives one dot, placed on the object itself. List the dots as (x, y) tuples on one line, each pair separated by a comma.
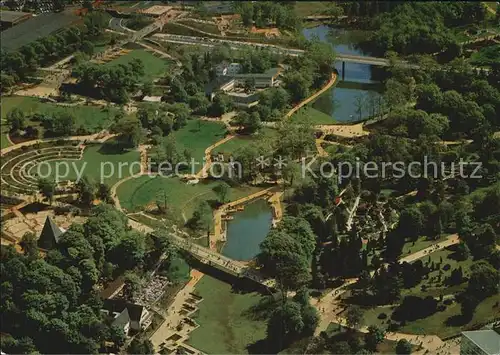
[(208, 156), (451, 240), (173, 315), (327, 86)]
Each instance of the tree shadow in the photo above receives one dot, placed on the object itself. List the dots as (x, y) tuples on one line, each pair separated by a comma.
[(263, 309), (456, 320), (113, 147)]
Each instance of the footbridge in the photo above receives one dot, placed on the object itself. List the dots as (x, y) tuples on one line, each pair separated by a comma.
[(210, 257)]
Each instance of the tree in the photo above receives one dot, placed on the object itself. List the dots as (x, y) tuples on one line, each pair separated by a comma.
[(249, 85), (374, 337), (133, 285), (285, 324), (29, 244), (403, 347), (411, 222), (202, 218), (130, 131), (141, 346), (86, 190), (222, 103), (484, 280), (104, 193), (16, 120), (222, 190), (47, 188), (161, 201), (354, 316)]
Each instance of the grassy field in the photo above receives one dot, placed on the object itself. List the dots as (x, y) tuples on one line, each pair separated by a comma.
[(308, 8), (314, 115), (440, 323), (436, 287), (153, 66), (97, 162), (196, 136), (182, 198), (225, 319), (265, 135), (91, 118)]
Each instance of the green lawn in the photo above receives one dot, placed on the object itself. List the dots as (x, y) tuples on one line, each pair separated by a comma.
[(97, 162), (315, 116), (92, 118), (196, 136), (308, 8), (4, 131), (136, 194), (265, 135), (439, 323), (226, 325), (153, 66), (436, 287)]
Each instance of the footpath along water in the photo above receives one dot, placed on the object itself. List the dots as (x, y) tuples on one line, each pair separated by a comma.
[(354, 96), (247, 230)]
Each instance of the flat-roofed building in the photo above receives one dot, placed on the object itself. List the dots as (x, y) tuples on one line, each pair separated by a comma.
[(480, 342), (12, 18)]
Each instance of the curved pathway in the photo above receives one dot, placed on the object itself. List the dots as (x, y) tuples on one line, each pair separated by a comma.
[(327, 86)]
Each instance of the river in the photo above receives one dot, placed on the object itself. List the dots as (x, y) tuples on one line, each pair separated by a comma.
[(354, 96), (247, 230)]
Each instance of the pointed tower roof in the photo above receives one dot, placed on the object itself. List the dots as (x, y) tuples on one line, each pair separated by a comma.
[(50, 234)]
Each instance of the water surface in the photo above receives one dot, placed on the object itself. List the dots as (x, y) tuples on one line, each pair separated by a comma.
[(247, 230), (353, 96)]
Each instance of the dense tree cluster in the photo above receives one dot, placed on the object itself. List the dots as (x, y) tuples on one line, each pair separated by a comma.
[(423, 27), (114, 83), (50, 304), (268, 13), (18, 65), (453, 101)]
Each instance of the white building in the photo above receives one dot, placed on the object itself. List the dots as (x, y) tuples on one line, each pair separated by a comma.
[(480, 342), (228, 69)]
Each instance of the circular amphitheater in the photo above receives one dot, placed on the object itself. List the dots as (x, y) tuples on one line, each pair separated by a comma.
[(19, 168)]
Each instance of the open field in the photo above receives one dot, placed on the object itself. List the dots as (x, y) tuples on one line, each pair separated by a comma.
[(182, 199), (98, 160), (91, 118), (442, 324), (196, 136), (265, 135), (315, 116), (226, 319), (153, 66), (308, 8)]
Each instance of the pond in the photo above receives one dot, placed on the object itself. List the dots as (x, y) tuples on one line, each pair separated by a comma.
[(247, 230), (356, 93)]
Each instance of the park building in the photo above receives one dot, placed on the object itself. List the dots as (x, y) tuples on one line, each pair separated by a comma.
[(228, 69), (480, 342), (11, 18), (130, 317), (231, 81), (50, 236)]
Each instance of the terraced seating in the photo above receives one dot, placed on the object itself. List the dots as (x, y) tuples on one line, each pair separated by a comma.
[(17, 173)]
